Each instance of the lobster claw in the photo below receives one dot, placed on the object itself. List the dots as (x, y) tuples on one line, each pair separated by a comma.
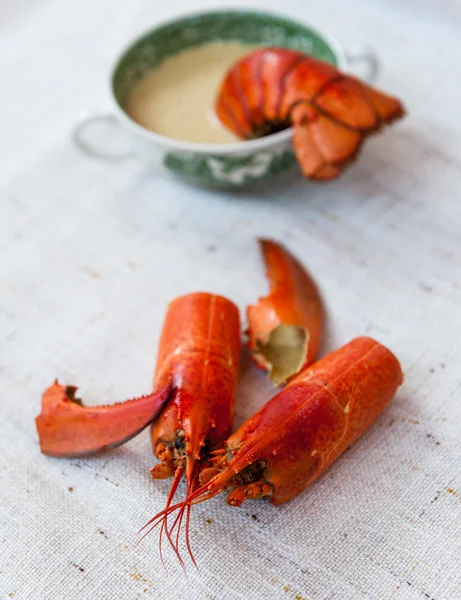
[(67, 428), (285, 327)]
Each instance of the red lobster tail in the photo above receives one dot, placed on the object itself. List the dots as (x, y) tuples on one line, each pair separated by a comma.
[(332, 113)]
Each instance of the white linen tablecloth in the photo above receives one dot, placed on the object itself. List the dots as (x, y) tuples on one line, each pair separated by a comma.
[(91, 252)]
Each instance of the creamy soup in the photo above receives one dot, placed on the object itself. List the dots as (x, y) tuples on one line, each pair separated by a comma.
[(177, 98)]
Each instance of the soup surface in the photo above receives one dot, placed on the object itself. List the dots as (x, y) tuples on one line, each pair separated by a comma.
[(177, 98)]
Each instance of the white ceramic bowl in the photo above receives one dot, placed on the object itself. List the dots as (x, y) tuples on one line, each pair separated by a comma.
[(214, 165)]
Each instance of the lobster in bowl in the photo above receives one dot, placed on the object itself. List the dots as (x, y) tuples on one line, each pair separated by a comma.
[(331, 113)]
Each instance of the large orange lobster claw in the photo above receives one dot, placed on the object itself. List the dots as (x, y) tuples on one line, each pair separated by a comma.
[(67, 428), (285, 326)]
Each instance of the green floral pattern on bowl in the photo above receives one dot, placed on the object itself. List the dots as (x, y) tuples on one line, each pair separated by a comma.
[(229, 171)]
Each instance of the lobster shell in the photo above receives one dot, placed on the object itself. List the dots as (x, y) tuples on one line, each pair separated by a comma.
[(332, 113)]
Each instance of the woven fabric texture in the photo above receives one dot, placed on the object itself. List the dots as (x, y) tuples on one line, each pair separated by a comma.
[(91, 253)]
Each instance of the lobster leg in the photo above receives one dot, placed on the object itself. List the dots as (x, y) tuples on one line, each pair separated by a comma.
[(164, 469), (254, 490), (67, 428)]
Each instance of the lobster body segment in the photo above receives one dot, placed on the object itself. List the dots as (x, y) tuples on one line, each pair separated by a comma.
[(296, 436), (199, 352), (332, 113)]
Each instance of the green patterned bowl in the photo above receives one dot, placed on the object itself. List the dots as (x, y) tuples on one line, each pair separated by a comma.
[(213, 165)]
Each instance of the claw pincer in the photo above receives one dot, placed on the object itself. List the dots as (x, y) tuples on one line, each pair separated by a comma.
[(68, 428)]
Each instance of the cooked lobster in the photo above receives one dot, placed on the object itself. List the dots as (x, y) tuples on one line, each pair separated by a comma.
[(332, 113), (296, 436), (199, 352)]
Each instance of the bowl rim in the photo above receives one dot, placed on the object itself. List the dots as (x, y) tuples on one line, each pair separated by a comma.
[(239, 147)]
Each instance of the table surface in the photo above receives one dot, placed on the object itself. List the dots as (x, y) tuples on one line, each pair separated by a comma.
[(91, 252)]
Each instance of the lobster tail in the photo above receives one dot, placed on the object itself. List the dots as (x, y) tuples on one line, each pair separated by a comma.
[(331, 112)]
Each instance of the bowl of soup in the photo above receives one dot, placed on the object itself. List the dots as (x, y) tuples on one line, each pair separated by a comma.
[(163, 90)]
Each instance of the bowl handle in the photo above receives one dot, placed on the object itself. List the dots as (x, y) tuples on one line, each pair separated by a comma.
[(370, 61), (88, 132)]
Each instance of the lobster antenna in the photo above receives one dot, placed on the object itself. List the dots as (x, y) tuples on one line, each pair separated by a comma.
[(186, 507), (158, 517), (178, 521), (164, 528), (189, 549)]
